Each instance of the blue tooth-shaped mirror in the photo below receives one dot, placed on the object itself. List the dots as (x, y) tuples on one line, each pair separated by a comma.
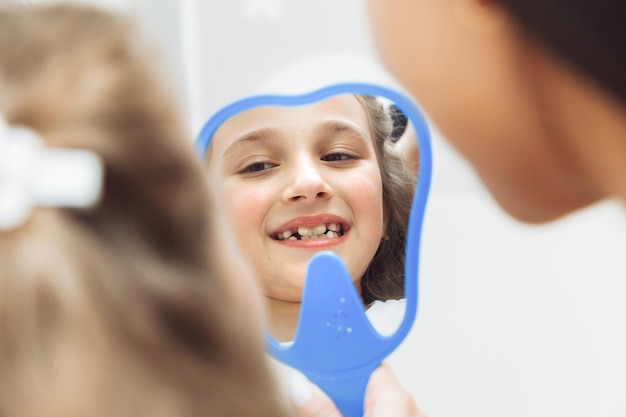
[(335, 344)]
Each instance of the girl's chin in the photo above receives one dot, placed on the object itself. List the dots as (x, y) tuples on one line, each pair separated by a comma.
[(285, 299)]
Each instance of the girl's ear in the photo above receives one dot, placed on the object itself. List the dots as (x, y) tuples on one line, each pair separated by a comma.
[(480, 16)]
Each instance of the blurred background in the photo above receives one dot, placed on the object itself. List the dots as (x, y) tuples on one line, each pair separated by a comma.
[(513, 320)]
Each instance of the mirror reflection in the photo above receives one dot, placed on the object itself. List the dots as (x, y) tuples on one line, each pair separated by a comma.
[(337, 174)]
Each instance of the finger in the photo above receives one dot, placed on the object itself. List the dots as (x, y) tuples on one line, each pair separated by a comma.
[(385, 396), (309, 401)]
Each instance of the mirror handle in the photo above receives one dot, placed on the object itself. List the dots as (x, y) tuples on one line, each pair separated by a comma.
[(335, 345)]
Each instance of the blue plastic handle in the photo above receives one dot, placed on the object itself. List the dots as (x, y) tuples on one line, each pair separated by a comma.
[(335, 345), (334, 342)]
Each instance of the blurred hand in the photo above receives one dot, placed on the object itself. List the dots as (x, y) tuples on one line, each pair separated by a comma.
[(308, 400), (384, 397)]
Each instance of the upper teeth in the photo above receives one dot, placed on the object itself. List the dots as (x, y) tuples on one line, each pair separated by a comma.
[(330, 230)]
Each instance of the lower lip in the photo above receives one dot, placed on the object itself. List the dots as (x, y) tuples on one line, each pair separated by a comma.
[(313, 243)]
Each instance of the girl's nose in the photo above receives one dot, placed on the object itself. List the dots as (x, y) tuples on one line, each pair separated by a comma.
[(306, 183)]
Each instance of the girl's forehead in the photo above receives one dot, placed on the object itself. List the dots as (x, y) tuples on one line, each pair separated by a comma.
[(344, 108)]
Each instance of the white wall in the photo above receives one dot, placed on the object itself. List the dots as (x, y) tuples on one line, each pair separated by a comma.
[(242, 43)]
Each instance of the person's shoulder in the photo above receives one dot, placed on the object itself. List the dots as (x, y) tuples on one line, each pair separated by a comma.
[(386, 316)]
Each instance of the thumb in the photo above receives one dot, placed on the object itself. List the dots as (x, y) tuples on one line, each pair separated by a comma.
[(386, 397), (308, 400)]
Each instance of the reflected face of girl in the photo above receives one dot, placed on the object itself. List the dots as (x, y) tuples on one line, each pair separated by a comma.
[(296, 181)]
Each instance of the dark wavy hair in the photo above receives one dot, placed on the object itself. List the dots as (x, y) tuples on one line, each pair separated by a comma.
[(384, 277), (590, 35)]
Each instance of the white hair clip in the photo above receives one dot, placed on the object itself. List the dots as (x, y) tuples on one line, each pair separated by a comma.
[(32, 175)]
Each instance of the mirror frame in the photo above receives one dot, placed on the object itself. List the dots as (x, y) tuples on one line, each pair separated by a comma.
[(344, 364)]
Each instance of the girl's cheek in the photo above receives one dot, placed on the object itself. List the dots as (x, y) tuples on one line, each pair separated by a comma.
[(246, 210), (247, 202)]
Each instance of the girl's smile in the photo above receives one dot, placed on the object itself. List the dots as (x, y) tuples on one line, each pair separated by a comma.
[(319, 231)]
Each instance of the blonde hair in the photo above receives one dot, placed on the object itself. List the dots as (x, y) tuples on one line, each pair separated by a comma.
[(119, 310)]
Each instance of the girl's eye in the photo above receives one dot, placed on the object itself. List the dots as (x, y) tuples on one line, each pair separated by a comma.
[(337, 156), (256, 167)]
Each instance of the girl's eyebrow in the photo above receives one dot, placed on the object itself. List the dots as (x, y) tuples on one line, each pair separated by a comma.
[(322, 129), (335, 126), (258, 135)]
